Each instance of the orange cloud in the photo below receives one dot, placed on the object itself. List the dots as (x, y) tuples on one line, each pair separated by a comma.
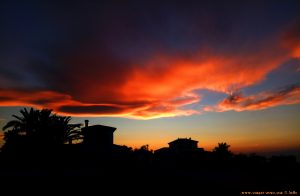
[(238, 102), (165, 79), (160, 87), (168, 77), (65, 104), (168, 108), (61, 103), (93, 85), (32, 98)]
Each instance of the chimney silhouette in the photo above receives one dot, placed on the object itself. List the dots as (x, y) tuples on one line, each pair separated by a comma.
[(86, 123)]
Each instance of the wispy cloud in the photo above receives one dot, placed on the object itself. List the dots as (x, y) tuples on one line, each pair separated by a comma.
[(239, 102)]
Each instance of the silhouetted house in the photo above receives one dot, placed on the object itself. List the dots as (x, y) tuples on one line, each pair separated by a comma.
[(98, 137), (183, 144), (162, 150), (182, 151)]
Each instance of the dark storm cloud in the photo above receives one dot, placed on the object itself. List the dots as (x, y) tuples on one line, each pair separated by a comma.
[(108, 109), (92, 109)]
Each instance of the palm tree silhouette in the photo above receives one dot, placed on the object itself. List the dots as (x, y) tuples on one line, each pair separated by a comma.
[(64, 131), (24, 124), (222, 151), (39, 127), (222, 147)]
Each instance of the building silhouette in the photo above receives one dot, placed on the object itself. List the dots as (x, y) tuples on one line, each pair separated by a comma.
[(181, 145), (98, 137)]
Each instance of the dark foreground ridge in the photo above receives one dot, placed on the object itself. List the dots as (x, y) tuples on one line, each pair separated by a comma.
[(192, 170), (181, 167)]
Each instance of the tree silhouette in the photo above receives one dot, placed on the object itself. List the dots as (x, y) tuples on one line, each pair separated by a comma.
[(63, 131), (222, 151), (145, 147), (38, 128), (222, 147)]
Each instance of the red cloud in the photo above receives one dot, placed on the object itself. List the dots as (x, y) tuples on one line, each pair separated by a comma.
[(168, 77), (238, 102), (160, 87), (102, 85), (32, 98)]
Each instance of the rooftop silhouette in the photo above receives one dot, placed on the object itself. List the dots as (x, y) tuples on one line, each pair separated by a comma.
[(98, 136)]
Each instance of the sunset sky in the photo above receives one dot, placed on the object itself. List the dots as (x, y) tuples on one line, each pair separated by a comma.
[(215, 71)]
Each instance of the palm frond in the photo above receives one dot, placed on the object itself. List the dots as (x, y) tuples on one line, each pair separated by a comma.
[(12, 123)]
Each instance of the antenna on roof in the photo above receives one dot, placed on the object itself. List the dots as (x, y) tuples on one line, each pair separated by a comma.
[(86, 123)]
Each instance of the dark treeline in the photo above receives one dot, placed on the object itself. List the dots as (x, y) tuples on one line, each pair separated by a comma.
[(42, 144)]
